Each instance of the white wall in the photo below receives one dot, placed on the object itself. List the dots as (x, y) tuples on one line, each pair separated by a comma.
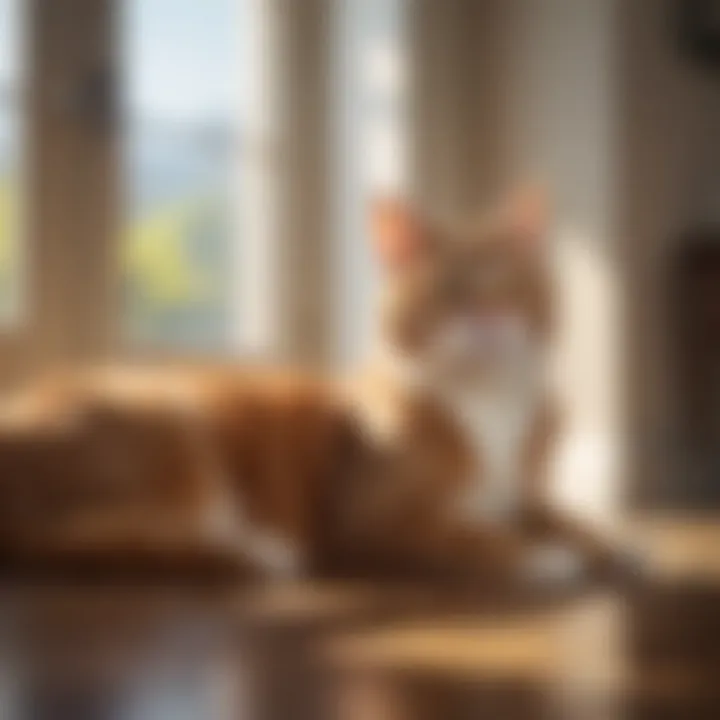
[(561, 117)]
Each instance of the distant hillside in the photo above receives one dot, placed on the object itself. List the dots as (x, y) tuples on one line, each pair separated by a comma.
[(179, 183), (164, 161)]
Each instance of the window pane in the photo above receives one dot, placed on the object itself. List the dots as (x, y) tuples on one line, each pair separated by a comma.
[(372, 112), (10, 156), (181, 150)]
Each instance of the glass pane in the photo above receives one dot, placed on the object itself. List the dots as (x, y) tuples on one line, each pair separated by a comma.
[(10, 156), (181, 152), (372, 112)]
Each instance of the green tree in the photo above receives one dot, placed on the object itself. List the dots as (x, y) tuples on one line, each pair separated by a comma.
[(8, 242), (173, 271), (157, 259)]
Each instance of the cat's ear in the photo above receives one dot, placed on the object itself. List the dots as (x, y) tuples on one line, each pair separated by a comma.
[(527, 217), (397, 233)]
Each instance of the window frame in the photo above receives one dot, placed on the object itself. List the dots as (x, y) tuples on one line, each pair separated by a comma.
[(72, 293), (284, 194)]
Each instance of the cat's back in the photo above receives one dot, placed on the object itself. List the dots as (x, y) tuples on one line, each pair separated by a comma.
[(172, 440), (246, 412)]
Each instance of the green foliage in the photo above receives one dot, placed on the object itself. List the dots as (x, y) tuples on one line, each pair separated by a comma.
[(174, 261), (157, 260), (174, 264), (8, 242)]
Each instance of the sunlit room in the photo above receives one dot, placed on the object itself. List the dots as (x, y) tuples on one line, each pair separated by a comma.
[(359, 359)]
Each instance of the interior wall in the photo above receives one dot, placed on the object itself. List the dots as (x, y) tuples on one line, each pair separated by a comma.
[(458, 97), (669, 181), (303, 273), (561, 132)]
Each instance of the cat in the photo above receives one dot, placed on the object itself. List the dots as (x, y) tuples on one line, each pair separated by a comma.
[(457, 404), (182, 467), (430, 461)]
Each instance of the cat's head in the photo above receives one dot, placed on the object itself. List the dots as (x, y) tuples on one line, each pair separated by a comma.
[(465, 303)]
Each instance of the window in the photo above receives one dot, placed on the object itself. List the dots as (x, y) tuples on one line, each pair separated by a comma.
[(371, 158), (181, 152), (10, 156), (215, 95)]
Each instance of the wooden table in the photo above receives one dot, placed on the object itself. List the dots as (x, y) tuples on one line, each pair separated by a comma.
[(355, 652), (648, 650)]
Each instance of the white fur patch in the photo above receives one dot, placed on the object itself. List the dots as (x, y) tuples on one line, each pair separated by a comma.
[(552, 563), (495, 415), (225, 522), (496, 421), (219, 517), (277, 556)]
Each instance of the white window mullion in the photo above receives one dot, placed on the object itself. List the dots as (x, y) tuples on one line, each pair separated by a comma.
[(371, 150), (256, 305)]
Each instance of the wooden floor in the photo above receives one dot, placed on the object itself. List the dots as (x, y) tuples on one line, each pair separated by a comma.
[(365, 653)]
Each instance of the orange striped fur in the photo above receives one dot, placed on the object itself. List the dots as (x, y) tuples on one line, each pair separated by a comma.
[(274, 472)]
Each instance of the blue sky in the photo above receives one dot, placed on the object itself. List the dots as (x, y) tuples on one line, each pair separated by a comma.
[(182, 58), (9, 23)]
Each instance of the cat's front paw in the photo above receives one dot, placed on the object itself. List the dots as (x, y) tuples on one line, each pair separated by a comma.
[(552, 565), (623, 566)]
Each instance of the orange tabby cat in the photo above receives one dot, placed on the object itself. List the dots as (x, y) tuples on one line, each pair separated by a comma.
[(455, 403), (431, 461)]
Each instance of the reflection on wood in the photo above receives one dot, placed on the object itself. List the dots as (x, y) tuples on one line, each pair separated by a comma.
[(360, 652)]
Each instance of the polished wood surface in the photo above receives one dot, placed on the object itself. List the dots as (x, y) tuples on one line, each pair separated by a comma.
[(648, 650)]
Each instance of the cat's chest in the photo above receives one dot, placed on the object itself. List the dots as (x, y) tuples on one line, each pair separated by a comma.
[(495, 428)]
